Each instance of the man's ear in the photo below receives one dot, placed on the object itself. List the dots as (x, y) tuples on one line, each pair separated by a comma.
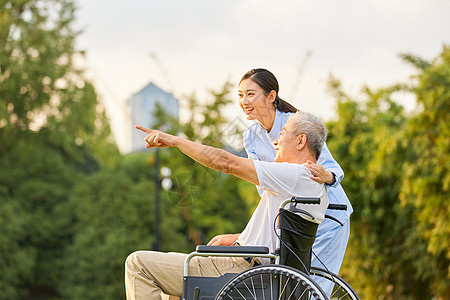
[(301, 141)]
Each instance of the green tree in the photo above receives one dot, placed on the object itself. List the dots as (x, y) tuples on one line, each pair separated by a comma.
[(53, 131), (41, 88), (366, 140), (36, 182), (388, 165), (113, 216), (426, 184)]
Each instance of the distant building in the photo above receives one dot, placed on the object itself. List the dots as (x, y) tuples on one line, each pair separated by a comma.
[(142, 107)]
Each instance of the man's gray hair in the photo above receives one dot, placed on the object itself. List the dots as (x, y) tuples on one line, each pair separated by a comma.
[(312, 127)]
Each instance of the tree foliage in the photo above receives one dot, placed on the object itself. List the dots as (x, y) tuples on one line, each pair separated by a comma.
[(36, 183), (53, 131), (397, 168), (41, 87), (426, 184)]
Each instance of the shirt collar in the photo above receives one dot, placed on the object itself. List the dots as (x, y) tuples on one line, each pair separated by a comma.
[(276, 127)]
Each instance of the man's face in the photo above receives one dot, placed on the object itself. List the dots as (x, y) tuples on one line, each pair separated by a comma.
[(286, 144)]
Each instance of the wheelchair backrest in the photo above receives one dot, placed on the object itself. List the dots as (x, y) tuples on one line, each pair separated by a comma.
[(297, 237)]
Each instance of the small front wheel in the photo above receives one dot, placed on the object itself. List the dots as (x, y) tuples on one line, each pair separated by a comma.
[(271, 282)]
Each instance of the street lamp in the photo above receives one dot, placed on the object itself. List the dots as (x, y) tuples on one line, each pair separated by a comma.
[(166, 182), (162, 179)]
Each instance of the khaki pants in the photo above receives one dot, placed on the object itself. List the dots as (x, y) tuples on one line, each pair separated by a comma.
[(150, 273)]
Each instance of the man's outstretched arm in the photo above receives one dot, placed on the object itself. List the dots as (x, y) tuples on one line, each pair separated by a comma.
[(210, 157)]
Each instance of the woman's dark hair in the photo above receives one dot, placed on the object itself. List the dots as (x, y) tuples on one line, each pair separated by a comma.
[(268, 82)]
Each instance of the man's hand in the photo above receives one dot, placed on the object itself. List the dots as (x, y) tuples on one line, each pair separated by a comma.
[(223, 240), (320, 174), (156, 138)]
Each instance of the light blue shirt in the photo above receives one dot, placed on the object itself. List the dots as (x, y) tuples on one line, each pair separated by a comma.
[(258, 144)]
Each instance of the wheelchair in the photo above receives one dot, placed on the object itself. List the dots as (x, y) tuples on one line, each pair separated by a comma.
[(289, 276)]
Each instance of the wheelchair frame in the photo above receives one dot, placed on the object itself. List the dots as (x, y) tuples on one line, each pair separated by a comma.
[(252, 283)]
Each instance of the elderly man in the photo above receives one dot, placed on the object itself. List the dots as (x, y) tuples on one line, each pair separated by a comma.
[(148, 273)]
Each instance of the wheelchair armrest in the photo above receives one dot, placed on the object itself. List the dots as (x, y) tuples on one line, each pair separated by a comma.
[(227, 251), (232, 249)]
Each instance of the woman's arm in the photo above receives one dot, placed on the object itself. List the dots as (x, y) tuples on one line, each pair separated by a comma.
[(249, 145)]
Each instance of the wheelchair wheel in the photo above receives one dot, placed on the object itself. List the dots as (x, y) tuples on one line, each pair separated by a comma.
[(334, 286), (271, 282)]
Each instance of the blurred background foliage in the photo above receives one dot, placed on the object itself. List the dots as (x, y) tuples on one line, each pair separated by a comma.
[(72, 207), (397, 177)]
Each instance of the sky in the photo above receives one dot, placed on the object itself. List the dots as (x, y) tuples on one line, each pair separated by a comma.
[(196, 46)]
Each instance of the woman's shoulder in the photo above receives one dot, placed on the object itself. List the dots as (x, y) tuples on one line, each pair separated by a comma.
[(253, 130), (285, 115), (280, 119)]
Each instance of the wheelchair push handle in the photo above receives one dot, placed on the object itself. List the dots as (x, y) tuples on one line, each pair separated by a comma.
[(305, 200), (312, 200), (337, 206)]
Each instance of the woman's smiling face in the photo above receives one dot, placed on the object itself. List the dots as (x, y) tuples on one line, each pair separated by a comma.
[(255, 103)]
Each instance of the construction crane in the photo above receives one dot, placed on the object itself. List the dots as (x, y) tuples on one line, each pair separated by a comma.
[(163, 70), (300, 72)]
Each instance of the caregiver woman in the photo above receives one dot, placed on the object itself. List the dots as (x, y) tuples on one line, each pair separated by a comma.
[(258, 98)]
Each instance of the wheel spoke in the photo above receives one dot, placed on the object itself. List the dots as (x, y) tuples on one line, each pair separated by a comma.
[(283, 287), (293, 290), (253, 286), (230, 297), (249, 289), (303, 294), (243, 297), (271, 287), (262, 288), (334, 286), (337, 291)]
